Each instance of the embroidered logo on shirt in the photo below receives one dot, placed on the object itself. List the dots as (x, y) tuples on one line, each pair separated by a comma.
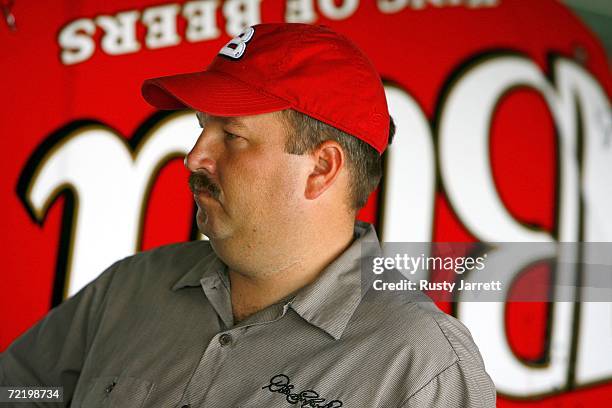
[(308, 399)]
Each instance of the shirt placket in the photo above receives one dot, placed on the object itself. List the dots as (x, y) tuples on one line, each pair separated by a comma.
[(207, 371), (220, 347)]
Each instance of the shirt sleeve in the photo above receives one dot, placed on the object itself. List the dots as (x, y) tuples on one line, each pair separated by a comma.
[(52, 352), (462, 384)]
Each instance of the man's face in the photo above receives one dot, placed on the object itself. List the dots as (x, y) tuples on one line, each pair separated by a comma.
[(244, 183)]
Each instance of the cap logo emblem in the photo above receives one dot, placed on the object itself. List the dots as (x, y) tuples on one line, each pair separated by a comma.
[(237, 45)]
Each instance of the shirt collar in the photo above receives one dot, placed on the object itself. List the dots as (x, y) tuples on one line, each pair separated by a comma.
[(330, 301), (327, 303), (210, 267)]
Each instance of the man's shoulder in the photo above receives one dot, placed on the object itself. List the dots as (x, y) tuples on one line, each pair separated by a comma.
[(423, 323), (437, 329), (410, 327)]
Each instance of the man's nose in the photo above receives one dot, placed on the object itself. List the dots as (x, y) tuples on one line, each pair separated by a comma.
[(201, 156)]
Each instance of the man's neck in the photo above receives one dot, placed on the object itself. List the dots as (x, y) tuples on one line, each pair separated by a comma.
[(253, 292)]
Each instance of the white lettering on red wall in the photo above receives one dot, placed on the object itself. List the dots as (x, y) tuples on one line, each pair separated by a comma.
[(76, 39)]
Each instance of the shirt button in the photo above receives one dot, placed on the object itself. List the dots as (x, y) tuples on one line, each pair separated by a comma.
[(225, 339)]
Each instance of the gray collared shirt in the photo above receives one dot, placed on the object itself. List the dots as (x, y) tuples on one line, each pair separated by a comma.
[(156, 330)]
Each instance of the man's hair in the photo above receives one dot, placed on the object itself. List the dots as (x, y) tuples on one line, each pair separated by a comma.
[(364, 163)]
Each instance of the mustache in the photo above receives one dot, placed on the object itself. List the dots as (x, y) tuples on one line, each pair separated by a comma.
[(199, 182)]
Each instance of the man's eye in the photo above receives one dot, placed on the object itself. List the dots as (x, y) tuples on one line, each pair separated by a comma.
[(230, 136)]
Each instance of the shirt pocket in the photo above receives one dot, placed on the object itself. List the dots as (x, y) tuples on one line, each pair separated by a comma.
[(117, 392)]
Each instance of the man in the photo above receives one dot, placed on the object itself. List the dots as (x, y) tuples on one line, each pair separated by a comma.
[(272, 311)]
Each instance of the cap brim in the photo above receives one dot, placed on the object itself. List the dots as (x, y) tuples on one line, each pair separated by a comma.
[(212, 92)]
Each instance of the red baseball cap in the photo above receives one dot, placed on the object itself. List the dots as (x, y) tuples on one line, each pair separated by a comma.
[(271, 67)]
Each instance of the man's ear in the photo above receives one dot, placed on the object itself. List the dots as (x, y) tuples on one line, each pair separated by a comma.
[(328, 159)]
